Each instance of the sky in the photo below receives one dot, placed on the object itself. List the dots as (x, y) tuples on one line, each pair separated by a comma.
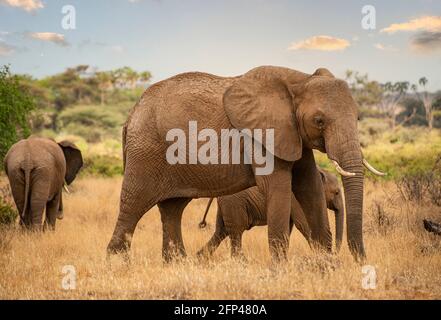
[(227, 37)]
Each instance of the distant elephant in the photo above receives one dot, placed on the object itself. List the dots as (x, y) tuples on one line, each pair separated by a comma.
[(305, 112), (37, 169), (244, 210)]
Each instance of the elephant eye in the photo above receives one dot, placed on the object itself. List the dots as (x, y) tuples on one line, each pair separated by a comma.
[(319, 122)]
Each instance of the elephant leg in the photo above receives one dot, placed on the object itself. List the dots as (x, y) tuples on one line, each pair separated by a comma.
[(17, 184), (52, 207), (277, 189), (219, 235), (171, 215), (298, 219), (308, 190), (38, 204), (236, 244), (39, 192), (136, 199)]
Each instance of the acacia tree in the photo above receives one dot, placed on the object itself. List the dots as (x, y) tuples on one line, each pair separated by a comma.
[(426, 98), (367, 93), (391, 95), (15, 106)]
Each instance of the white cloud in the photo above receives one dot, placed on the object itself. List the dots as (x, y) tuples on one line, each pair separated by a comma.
[(425, 23), (6, 50), (56, 38), (27, 5), (382, 47), (323, 43)]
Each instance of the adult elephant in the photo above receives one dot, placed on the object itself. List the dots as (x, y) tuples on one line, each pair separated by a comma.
[(306, 111), (37, 169)]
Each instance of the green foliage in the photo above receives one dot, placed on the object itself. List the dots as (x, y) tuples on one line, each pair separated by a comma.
[(415, 108), (91, 122), (8, 215), (15, 105), (406, 151), (103, 165), (365, 92)]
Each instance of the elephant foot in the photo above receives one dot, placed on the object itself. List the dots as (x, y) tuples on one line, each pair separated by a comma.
[(48, 227), (173, 255), (204, 254), (118, 247)]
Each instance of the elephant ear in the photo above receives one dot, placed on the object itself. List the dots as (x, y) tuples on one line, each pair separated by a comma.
[(322, 175), (74, 159), (261, 103)]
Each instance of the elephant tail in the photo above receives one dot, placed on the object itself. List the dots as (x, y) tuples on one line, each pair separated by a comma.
[(203, 223), (27, 167)]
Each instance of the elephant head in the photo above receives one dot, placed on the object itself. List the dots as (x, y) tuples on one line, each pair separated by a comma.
[(74, 160), (334, 202), (314, 111)]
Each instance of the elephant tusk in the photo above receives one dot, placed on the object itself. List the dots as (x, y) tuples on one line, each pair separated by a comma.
[(372, 169), (341, 171), (65, 188)]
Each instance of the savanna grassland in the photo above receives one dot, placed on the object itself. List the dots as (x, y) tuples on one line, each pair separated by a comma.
[(90, 110), (406, 258)]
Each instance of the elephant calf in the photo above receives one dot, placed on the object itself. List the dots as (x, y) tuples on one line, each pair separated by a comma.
[(246, 209), (37, 169)]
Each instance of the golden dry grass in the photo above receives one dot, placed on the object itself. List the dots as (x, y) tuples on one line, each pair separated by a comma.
[(407, 259)]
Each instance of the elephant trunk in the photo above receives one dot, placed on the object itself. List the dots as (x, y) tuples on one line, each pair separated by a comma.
[(348, 156), (353, 188)]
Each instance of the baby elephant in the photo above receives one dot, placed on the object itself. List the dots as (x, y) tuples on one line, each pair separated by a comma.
[(246, 209), (37, 169)]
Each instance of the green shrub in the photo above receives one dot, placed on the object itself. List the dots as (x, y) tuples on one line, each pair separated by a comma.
[(102, 165), (8, 214)]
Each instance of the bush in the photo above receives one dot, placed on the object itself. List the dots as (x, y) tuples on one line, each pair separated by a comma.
[(103, 165), (91, 115), (8, 214)]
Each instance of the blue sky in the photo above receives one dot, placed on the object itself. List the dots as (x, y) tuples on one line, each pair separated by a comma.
[(224, 37)]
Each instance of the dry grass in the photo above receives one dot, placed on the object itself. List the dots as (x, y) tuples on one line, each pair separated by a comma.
[(406, 258)]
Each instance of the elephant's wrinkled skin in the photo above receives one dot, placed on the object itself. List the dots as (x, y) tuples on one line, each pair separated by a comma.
[(37, 168), (246, 209), (306, 111)]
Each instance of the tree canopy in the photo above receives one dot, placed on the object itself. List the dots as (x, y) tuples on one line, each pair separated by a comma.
[(15, 106)]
